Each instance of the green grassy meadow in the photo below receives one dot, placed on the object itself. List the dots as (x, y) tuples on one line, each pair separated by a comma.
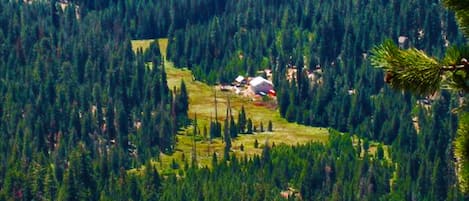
[(141, 44), (201, 104)]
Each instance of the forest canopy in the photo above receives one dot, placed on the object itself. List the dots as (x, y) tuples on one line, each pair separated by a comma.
[(83, 117)]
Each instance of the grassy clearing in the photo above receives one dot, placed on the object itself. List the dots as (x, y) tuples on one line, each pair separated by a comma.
[(141, 44), (163, 43), (201, 103), (145, 44), (373, 147)]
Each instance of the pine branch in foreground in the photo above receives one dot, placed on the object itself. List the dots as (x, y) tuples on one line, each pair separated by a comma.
[(410, 70), (461, 9)]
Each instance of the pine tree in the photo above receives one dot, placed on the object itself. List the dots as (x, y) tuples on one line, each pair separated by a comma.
[(151, 183), (270, 126), (50, 184), (380, 152), (415, 71), (233, 128), (242, 120), (249, 126), (214, 159), (227, 140), (229, 127), (194, 144), (123, 130), (133, 190), (69, 189), (182, 103), (85, 175), (110, 126)]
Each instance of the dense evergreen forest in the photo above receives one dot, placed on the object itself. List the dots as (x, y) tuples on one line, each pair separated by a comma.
[(79, 109)]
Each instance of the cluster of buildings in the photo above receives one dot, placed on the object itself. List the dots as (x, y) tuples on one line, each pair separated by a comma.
[(252, 86), (262, 86)]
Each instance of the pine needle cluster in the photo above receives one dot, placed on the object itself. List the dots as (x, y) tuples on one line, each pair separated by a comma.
[(410, 69), (461, 8)]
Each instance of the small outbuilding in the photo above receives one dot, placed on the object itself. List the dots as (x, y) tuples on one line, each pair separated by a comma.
[(259, 85), (239, 81)]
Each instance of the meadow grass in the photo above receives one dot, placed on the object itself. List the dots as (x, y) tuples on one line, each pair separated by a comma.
[(163, 44), (201, 104), (141, 44)]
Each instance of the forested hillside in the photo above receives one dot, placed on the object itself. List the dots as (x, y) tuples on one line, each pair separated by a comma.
[(79, 108), (331, 171)]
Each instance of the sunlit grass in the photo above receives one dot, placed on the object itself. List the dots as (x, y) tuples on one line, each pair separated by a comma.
[(141, 44), (201, 104), (163, 44)]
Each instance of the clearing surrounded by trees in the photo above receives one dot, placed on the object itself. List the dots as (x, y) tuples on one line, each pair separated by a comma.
[(201, 103)]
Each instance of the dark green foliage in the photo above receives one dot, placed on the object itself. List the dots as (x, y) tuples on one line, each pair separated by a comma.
[(215, 129), (311, 171), (402, 66), (415, 71), (242, 121), (346, 93), (461, 9), (366, 145), (462, 143), (78, 108), (291, 113), (380, 152), (174, 164), (151, 183), (69, 189), (153, 54), (233, 128), (270, 127), (182, 103), (214, 160), (249, 126)]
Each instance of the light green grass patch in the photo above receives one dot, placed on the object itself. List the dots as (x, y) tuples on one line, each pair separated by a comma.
[(145, 44), (201, 102), (163, 44), (141, 44)]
